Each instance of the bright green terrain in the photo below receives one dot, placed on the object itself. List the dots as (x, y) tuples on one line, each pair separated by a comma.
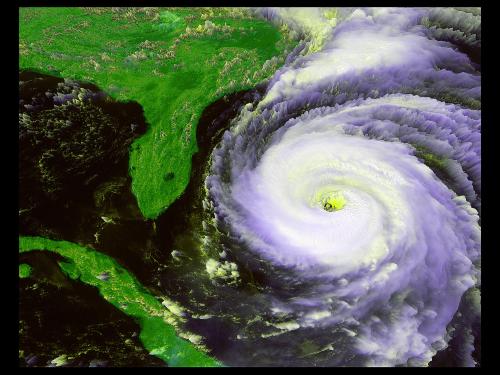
[(173, 62), (435, 162), (24, 270), (123, 291)]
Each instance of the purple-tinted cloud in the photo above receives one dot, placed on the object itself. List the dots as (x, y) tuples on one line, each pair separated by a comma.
[(386, 270)]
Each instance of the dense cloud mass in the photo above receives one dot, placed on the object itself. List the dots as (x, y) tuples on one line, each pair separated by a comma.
[(354, 185)]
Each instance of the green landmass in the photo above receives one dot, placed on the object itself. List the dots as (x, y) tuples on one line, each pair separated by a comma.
[(433, 161), (120, 288), (24, 270), (174, 62)]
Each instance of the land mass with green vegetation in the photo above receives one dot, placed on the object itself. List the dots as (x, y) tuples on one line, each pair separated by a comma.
[(122, 290), (172, 61)]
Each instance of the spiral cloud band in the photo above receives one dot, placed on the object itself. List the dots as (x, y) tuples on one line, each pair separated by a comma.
[(354, 184)]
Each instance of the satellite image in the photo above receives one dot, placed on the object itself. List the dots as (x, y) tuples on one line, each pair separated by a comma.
[(249, 187)]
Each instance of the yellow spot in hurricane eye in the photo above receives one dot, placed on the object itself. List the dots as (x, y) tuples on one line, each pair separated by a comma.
[(328, 198), (333, 202)]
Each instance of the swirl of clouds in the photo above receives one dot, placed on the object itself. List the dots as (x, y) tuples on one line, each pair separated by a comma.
[(392, 274)]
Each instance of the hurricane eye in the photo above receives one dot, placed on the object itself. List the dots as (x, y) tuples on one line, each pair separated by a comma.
[(333, 202)]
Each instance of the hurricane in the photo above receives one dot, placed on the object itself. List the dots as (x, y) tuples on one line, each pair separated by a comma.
[(350, 191)]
